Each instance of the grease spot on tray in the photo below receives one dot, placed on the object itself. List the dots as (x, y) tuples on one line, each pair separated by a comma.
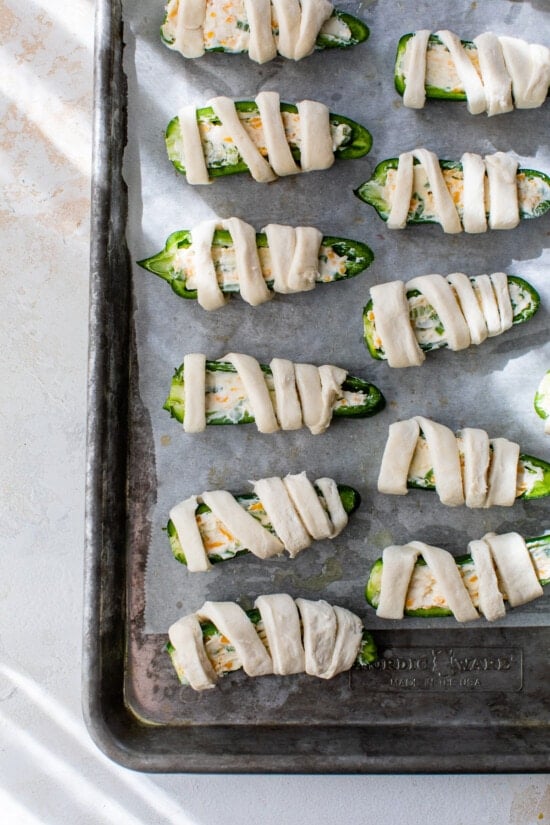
[(331, 572)]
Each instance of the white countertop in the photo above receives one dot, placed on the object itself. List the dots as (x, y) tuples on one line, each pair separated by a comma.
[(50, 771)]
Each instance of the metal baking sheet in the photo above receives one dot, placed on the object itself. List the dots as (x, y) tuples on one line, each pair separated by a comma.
[(442, 697)]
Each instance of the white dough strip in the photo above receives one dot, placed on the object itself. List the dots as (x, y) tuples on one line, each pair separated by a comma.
[(414, 95), (398, 563), (442, 298), (316, 151), (397, 457), (319, 627), (313, 14), (469, 305), (332, 379), (474, 217), (256, 389), (503, 473), (349, 632), (515, 567), (234, 624), (445, 459), (242, 525), (489, 304), (209, 294), (252, 284), (281, 622), (308, 506), (529, 67), (447, 575), (194, 392), (261, 44), (336, 510), (476, 457), (189, 37), (184, 520), (281, 241), (393, 325), (444, 206), (278, 149), (490, 600), (475, 93), (496, 80), (287, 403), (288, 14), (196, 170), (224, 109), (499, 281), (401, 196), (282, 514), (186, 637), (304, 267), (318, 389), (503, 190)]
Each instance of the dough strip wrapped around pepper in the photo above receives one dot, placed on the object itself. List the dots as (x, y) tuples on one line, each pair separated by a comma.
[(281, 636), (469, 468), (472, 195), (263, 28), (417, 579), (492, 73), (264, 137), (281, 514), (220, 257), (280, 396), (403, 321)]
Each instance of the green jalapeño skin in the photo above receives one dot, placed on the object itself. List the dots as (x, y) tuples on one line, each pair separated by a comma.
[(349, 31), (533, 192), (221, 546), (225, 652), (363, 399), (539, 549), (524, 298), (350, 258), (353, 140)]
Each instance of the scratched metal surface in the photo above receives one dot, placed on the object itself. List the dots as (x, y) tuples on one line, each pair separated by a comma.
[(426, 673)]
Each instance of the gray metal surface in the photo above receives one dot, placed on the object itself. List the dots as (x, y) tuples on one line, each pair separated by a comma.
[(442, 697)]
